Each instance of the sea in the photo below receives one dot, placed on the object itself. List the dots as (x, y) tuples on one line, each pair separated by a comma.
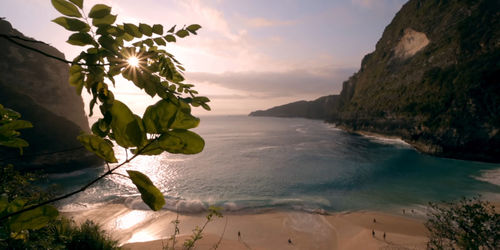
[(257, 164)]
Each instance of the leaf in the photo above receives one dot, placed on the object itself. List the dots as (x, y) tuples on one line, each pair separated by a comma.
[(78, 3), (106, 20), (193, 28), (132, 30), (184, 119), (99, 146), (15, 125), (150, 194), (72, 24), (66, 8), (145, 29), (33, 219), (80, 39), (160, 41), (158, 29), (181, 141), (127, 129), (109, 43), (171, 30), (170, 38), (4, 203), (182, 33), (99, 11), (158, 118)]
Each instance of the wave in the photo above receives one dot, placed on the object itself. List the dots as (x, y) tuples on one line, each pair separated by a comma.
[(491, 176)]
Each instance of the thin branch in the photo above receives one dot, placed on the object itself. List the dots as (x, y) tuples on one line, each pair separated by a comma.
[(12, 40), (77, 191), (40, 154), (27, 40)]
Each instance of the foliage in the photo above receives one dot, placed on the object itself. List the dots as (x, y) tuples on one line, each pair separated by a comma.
[(9, 124), (86, 236), (135, 52), (198, 231), (466, 224)]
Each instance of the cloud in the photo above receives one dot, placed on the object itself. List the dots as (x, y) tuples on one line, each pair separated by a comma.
[(260, 22), (278, 84)]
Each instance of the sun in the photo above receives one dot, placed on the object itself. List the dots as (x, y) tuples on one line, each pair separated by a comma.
[(133, 61)]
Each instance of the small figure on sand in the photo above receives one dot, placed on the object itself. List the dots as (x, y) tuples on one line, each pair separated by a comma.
[(373, 233), (290, 241), (412, 211), (239, 235), (403, 211), (384, 235), (374, 220)]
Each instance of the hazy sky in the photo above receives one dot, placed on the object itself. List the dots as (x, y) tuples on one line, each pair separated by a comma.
[(249, 55)]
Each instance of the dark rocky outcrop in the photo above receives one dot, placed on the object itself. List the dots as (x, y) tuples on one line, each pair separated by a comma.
[(433, 80), (37, 87), (317, 109)]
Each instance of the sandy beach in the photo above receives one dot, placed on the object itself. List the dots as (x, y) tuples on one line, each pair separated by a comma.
[(142, 229)]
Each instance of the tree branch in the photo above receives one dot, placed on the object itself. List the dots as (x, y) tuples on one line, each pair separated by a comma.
[(110, 171), (12, 40)]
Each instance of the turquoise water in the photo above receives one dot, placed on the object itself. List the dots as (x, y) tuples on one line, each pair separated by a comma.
[(258, 163)]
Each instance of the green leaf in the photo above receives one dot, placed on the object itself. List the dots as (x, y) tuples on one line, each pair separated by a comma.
[(193, 28), (99, 11), (158, 118), (72, 24), (80, 39), (182, 33), (78, 3), (171, 30), (149, 42), (132, 30), (170, 38), (181, 141), (99, 146), (66, 8), (33, 219), (160, 41), (15, 125), (109, 43), (127, 129), (158, 29), (145, 29), (4, 203), (184, 119), (150, 194), (106, 20)]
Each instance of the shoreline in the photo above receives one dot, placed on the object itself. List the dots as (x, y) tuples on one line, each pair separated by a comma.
[(143, 229)]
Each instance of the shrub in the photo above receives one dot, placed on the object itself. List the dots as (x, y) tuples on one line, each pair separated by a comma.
[(466, 224)]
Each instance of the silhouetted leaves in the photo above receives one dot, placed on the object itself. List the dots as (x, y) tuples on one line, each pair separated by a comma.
[(80, 39), (99, 11), (72, 24), (66, 8), (99, 146), (150, 194)]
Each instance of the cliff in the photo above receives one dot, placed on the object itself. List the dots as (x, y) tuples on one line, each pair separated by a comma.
[(317, 109), (433, 80), (37, 87)]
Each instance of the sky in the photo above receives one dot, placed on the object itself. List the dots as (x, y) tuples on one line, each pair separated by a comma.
[(249, 55)]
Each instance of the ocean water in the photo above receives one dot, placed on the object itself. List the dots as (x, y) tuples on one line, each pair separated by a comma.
[(253, 164)]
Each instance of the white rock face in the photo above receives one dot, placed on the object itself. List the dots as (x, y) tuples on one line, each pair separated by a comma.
[(411, 43)]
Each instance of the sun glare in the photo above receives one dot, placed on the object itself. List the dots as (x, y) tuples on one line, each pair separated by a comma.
[(133, 61)]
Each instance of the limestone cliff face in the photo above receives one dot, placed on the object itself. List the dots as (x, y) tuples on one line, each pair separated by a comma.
[(433, 79), (37, 87)]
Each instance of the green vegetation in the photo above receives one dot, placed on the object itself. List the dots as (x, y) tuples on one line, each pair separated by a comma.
[(467, 224), (134, 52)]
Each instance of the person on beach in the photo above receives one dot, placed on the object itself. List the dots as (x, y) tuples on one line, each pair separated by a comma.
[(384, 235), (290, 241), (403, 211), (374, 220), (239, 235), (373, 233)]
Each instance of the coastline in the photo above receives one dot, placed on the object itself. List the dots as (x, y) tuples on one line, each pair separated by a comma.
[(142, 229)]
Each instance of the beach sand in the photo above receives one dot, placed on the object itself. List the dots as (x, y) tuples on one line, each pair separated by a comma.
[(142, 229)]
